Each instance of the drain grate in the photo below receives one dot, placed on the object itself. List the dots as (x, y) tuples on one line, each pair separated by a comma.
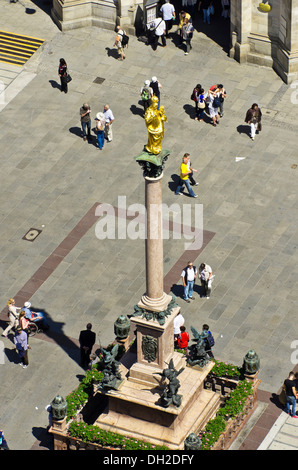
[(31, 235), (99, 80)]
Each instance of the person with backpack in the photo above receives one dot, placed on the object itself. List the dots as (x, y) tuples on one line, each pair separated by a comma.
[(158, 25), (208, 339), (214, 104), (188, 276), (146, 94), (120, 42)]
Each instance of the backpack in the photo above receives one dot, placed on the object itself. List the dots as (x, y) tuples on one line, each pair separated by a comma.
[(210, 340), (216, 102), (145, 94), (125, 39)]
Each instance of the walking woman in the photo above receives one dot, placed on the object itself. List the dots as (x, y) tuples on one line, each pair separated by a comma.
[(62, 72)]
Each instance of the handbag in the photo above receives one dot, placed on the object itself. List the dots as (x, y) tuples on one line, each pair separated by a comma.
[(201, 105), (68, 78)]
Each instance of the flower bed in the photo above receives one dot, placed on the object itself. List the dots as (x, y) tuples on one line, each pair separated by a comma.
[(93, 434), (233, 406)]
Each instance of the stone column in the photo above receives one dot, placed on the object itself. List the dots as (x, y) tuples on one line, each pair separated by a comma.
[(241, 11), (155, 298)]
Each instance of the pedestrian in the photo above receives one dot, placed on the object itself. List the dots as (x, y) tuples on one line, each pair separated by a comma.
[(159, 27), (62, 72), (87, 341), (291, 394), (13, 315), (214, 104), (118, 43), (206, 276), (191, 178), (187, 34), (24, 322), (146, 94), (3, 442), (100, 129), (253, 118), (183, 338), (200, 105), (207, 7), (177, 323), (21, 346), (208, 339), (188, 276), (219, 88), (182, 15), (168, 15), (156, 86), (36, 317), (85, 111), (109, 119), (225, 4), (184, 178)]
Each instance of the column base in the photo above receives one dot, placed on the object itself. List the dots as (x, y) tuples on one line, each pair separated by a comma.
[(155, 305)]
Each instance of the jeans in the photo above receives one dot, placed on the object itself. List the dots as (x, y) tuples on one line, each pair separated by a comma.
[(188, 290), (291, 400), (100, 139), (181, 186), (206, 16), (88, 126), (42, 320)]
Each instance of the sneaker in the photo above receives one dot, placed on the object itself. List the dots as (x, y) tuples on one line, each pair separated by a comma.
[(179, 194), (191, 298), (25, 367), (294, 416), (187, 300), (196, 184), (195, 195), (185, 53), (207, 297)]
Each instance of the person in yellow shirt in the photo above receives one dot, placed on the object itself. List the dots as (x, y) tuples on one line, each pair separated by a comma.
[(182, 16), (184, 177)]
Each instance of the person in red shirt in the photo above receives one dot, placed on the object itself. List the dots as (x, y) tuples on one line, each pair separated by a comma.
[(183, 338)]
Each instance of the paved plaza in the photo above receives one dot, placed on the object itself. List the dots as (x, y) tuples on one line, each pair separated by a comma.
[(52, 181)]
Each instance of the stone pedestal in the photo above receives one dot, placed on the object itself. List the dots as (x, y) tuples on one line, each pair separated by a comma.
[(135, 411), (155, 348)]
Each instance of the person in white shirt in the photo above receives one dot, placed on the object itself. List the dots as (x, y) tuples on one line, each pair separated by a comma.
[(188, 276), (109, 119), (177, 322), (159, 27), (168, 14), (205, 274)]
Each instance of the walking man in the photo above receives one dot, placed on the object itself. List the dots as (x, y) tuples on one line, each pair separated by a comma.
[(253, 118), (118, 43), (21, 346), (159, 27), (85, 111), (168, 14), (205, 274), (109, 119), (188, 276), (87, 341), (184, 177)]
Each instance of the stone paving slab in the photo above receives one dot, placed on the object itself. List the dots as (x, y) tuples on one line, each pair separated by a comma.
[(49, 177)]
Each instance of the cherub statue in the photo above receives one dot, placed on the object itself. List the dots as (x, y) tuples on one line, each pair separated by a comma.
[(169, 395), (111, 371), (198, 355)]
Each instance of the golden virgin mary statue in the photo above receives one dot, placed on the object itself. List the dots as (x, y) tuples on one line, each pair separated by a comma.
[(154, 119)]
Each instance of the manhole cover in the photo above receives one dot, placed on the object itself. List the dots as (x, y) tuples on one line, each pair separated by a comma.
[(99, 80), (31, 235)]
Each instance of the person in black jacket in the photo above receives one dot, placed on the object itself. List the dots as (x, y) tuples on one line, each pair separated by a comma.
[(87, 341)]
